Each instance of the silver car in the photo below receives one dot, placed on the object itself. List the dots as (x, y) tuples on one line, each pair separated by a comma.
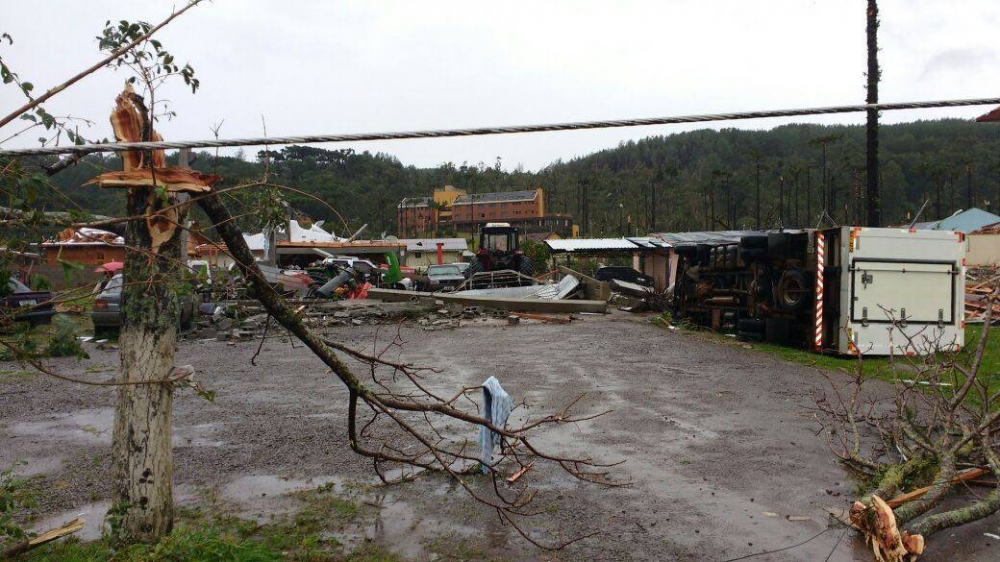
[(444, 277), (107, 311)]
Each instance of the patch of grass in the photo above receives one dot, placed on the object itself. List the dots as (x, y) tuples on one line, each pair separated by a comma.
[(880, 367), (203, 534), (452, 547), (16, 375)]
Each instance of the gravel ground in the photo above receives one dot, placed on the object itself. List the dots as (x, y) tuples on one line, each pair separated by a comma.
[(713, 436)]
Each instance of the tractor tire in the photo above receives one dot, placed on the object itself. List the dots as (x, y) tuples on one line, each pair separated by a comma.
[(526, 268)]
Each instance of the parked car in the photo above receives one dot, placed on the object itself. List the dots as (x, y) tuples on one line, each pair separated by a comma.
[(462, 266), (608, 272), (107, 311), (27, 305), (444, 277)]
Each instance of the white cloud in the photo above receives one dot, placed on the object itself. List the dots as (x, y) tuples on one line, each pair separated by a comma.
[(322, 67)]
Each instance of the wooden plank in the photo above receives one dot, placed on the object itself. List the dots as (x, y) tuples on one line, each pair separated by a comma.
[(542, 317), (970, 474)]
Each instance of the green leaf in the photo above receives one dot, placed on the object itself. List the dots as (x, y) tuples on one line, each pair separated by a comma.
[(27, 86)]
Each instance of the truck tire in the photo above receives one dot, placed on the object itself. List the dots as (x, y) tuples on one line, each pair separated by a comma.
[(704, 255), (750, 325), (793, 290), (777, 331), (754, 255), (779, 245), (754, 242)]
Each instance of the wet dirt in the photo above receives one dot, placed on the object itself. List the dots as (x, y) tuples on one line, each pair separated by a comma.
[(718, 443)]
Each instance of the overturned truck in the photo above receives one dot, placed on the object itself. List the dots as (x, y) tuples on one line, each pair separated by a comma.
[(845, 290)]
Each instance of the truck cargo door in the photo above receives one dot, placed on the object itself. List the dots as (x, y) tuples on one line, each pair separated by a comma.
[(919, 292)]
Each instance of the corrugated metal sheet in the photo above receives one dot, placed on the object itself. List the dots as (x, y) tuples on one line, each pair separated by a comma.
[(650, 243), (708, 237), (591, 244)]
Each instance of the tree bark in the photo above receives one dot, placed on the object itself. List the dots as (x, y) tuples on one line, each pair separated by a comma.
[(142, 453)]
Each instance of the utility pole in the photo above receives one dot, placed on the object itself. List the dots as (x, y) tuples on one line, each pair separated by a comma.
[(969, 195), (781, 202), (873, 204), (757, 208), (795, 221), (808, 195)]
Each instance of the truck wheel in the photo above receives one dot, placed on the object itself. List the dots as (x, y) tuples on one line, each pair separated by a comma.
[(793, 290), (779, 245), (751, 325), (777, 331), (754, 242), (753, 255)]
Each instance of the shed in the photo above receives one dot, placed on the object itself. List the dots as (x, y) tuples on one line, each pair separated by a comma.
[(423, 251)]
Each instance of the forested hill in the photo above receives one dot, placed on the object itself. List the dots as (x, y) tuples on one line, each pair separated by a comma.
[(688, 181)]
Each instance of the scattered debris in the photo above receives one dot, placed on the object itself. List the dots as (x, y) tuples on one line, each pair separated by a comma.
[(542, 317), (46, 537), (979, 283)]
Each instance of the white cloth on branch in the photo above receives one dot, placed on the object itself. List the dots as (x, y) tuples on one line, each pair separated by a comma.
[(497, 405)]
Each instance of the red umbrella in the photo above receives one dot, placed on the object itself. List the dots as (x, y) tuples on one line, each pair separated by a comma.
[(110, 266)]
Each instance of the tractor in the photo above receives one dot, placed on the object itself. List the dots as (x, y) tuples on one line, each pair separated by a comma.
[(499, 251)]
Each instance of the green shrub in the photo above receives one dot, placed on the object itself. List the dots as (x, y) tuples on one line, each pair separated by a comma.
[(64, 342)]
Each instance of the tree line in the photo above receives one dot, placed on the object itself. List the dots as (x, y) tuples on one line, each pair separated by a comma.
[(699, 180)]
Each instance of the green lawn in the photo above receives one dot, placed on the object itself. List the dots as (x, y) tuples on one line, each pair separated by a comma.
[(207, 535), (880, 368)]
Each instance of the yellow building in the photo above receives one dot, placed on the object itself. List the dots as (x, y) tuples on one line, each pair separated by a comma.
[(445, 198)]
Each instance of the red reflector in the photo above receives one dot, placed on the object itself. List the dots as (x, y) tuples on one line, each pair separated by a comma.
[(100, 303)]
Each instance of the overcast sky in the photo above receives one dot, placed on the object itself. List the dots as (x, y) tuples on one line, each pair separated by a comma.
[(313, 66)]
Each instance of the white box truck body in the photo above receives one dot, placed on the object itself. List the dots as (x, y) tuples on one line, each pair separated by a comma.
[(844, 290), (897, 291)]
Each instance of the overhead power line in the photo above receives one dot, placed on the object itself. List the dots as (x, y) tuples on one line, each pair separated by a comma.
[(480, 131)]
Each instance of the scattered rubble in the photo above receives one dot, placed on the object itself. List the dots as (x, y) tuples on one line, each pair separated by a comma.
[(979, 283)]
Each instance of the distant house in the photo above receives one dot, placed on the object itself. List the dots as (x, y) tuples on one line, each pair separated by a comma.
[(982, 232), (84, 246), (969, 220), (984, 246), (423, 251)]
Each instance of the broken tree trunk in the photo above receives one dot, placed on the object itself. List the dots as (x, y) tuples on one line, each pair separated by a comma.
[(141, 449)]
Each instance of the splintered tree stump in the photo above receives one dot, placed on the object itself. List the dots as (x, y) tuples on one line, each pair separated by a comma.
[(878, 523)]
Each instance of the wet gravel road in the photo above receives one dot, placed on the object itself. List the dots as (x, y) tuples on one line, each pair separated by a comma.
[(719, 445)]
